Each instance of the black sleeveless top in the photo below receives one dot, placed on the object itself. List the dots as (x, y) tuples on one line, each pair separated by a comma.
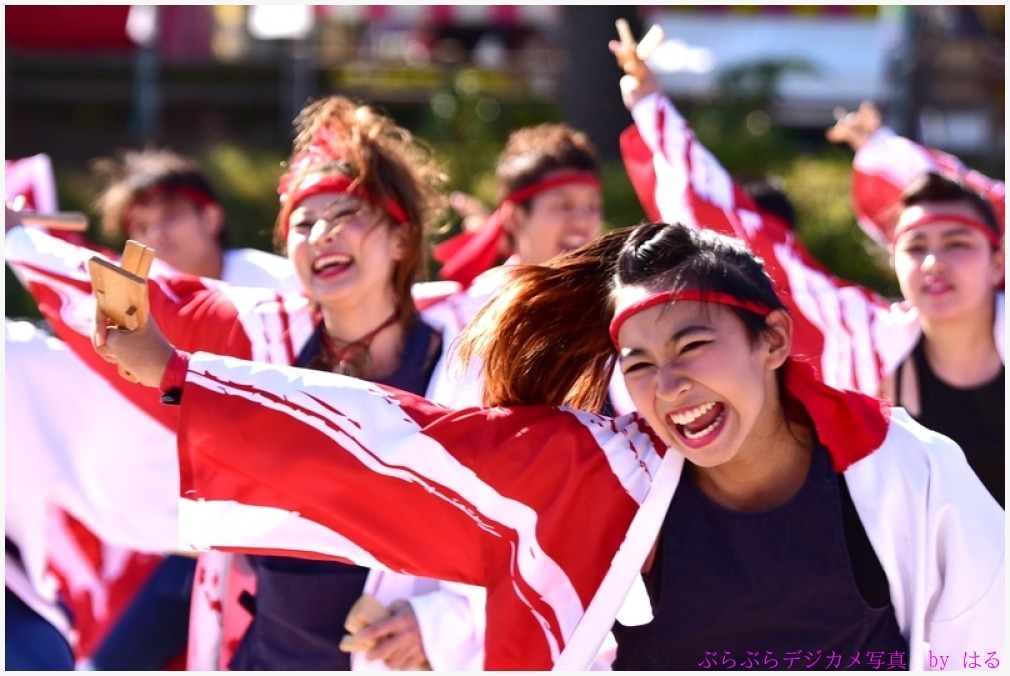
[(973, 417), (300, 604), (796, 586)]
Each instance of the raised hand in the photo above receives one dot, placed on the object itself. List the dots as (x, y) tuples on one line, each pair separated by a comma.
[(854, 128), (639, 81)]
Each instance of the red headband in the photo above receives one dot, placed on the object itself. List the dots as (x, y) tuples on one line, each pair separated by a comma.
[(466, 255), (190, 194), (850, 424), (523, 194), (323, 150), (685, 294), (338, 183), (933, 217)]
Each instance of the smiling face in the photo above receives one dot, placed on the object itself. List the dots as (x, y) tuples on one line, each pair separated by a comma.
[(555, 221), (344, 250), (696, 376), (946, 268)]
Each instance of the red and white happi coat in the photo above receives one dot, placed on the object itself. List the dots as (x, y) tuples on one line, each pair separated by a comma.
[(851, 335), (256, 323), (552, 509), (61, 557), (90, 488), (268, 328)]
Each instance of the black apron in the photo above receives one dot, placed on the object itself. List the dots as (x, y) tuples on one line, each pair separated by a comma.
[(301, 604), (974, 417), (764, 590)]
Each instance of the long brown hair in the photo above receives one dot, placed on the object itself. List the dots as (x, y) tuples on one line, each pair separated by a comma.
[(543, 336), (386, 162)]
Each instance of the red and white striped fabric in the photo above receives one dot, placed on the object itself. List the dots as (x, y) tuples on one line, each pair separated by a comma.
[(134, 525), (258, 324), (557, 537), (852, 336), (47, 515), (887, 163), (32, 179), (439, 463), (67, 477)]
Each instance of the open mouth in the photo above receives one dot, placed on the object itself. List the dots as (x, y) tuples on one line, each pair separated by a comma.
[(936, 287), (328, 266), (699, 423)]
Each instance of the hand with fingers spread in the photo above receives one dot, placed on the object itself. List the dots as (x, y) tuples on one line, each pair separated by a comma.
[(143, 352), (397, 639), (639, 81), (856, 127)]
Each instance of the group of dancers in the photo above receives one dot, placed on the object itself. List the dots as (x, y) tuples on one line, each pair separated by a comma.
[(678, 443)]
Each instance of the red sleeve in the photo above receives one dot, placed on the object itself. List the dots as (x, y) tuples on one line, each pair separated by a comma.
[(523, 501)]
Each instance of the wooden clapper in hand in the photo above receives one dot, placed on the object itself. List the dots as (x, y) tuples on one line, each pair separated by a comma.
[(121, 290)]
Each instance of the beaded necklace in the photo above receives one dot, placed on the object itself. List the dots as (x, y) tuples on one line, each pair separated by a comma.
[(354, 357)]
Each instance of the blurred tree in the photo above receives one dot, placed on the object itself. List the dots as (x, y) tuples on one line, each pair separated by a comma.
[(737, 128), (589, 96)]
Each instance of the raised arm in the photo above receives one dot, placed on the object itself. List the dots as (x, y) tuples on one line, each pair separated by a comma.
[(851, 334), (195, 313), (886, 163)]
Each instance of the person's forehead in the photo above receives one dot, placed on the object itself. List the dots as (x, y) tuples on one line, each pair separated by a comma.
[(922, 210), (161, 202), (626, 297), (325, 200)]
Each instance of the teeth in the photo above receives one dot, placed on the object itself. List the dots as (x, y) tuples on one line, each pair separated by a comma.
[(688, 417), (331, 260), (697, 435)]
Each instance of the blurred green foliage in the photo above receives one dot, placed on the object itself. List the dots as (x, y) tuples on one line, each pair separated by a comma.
[(814, 175), (467, 127)]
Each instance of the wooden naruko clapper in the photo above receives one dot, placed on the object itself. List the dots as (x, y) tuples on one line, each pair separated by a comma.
[(121, 290)]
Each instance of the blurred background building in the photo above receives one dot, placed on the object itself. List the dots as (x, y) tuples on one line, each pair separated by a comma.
[(937, 72), (758, 83)]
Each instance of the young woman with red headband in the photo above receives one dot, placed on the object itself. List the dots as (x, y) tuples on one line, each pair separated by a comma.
[(948, 257), (164, 200), (359, 195), (943, 225), (745, 515), (549, 202), (855, 338)]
